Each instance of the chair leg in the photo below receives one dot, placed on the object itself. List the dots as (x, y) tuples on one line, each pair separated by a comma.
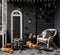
[(54, 45), (48, 44), (37, 41), (2, 40)]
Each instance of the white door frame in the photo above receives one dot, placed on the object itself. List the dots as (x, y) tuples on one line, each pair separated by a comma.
[(16, 13)]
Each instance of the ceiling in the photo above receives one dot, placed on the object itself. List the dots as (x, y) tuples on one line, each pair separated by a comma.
[(31, 0)]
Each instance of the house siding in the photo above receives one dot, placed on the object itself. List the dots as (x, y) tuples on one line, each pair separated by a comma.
[(57, 21), (38, 22), (28, 13)]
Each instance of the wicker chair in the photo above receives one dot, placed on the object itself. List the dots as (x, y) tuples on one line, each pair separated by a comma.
[(47, 37)]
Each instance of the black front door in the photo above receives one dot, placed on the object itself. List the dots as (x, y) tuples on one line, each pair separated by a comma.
[(16, 26)]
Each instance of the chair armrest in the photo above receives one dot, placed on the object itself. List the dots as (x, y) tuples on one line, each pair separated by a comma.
[(49, 38), (39, 36)]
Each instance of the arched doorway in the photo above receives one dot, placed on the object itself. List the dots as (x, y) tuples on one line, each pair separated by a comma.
[(16, 24)]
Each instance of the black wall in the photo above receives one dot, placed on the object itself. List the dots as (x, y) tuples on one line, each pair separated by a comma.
[(44, 21), (40, 20), (0, 14), (28, 13), (10, 8), (57, 21)]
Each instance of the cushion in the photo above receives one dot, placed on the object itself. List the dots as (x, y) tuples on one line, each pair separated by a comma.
[(49, 33)]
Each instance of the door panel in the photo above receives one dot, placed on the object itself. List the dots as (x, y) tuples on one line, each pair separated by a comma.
[(16, 27)]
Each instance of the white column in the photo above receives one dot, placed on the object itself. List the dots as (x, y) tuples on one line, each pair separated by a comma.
[(4, 21)]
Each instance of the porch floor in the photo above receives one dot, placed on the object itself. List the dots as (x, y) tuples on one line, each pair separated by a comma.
[(32, 52)]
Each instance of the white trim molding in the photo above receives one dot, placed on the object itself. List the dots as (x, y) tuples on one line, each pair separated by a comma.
[(16, 13), (4, 22)]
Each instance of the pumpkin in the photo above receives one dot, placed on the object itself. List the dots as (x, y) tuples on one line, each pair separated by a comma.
[(8, 45), (51, 49), (35, 46), (11, 51), (7, 50), (30, 35), (19, 51), (27, 43), (30, 45)]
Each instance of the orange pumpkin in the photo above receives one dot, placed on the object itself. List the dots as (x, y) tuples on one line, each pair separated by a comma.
[(31, 35), (27, 43), (8, 45), (19, 51), (35, 46), (51, 49), (7, 50), (11, 51), (30, 45)]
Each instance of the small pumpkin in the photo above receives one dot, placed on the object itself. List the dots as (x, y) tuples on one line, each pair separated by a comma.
[(8, 45), (7, 50), (35, 46), (19, 51), (51, 49), (11, 51), (30, 35), (27, 43), (30, 45)]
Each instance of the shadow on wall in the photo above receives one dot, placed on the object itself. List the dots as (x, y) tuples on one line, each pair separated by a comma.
[(8, 37), (56, 39)]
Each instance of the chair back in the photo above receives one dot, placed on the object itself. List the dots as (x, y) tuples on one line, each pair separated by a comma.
[(49, 33)]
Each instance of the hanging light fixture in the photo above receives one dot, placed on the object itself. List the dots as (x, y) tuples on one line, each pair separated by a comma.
[(40, 9), (8, 0), (37, 0), (17, 0), (45, 5), (40, 0), (54, 0), (20, 0), (23, 0), (49, 5), (12, 0), (34, 0), (27, 0)]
